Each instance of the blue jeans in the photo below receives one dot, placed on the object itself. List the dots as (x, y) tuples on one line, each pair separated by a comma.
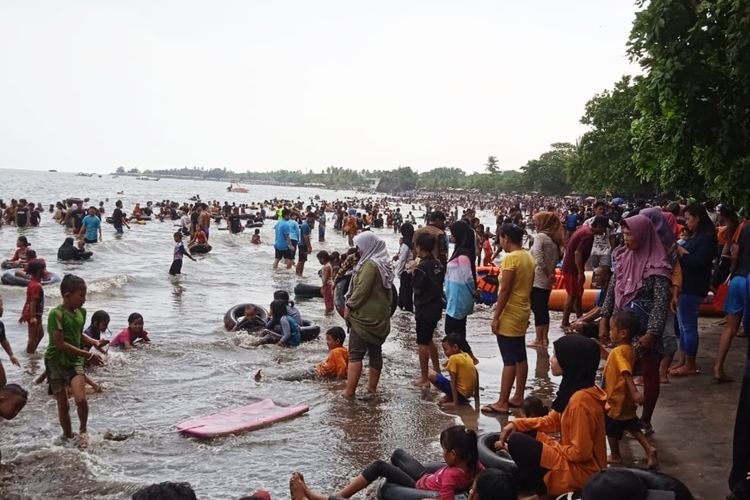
[(687, 313)]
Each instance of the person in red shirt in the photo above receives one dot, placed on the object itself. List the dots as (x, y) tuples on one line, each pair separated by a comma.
[(577, 252), (34, 306)]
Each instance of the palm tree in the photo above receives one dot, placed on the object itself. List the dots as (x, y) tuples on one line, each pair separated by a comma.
[(491, 164)]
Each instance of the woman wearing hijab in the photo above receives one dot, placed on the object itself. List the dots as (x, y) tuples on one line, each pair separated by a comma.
[(551, 467), (546, 253), (641, 284), (460, 282), (665, 225), (405, 254), (68, 251), (696, 255), (368, 310)]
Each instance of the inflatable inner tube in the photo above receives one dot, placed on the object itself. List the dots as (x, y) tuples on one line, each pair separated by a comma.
[(9, 264), (308, 331), (251, 223), (304, 290), (10, 278), (390, 491), (491, 458), (236, 313), (659, 485), (200, 249)]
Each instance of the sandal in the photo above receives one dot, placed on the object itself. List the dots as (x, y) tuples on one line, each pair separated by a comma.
[(491, 410)]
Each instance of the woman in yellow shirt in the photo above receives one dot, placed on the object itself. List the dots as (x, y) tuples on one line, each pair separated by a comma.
[(512, 317)]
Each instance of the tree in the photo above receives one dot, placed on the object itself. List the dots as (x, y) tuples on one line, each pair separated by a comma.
[(491, 164), (547, 174), (120, 170), (604, 154), (134, 171), (396, 181), (694, 101)]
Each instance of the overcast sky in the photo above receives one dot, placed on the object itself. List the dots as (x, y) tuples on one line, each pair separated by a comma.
[(260, 85)]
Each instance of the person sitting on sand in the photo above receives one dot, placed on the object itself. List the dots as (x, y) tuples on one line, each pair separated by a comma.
[(337, 361), (464, 379), (133, 333), (588, 324)]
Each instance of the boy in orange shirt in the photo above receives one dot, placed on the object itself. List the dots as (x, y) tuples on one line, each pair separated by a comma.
[(337, 361), (622, 395)]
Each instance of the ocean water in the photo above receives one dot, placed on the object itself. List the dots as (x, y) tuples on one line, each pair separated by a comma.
[(194, 367)]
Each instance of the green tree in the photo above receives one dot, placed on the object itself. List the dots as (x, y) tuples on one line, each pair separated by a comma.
[(491, 164), (120, 170), (548, 173), (604, 155), (694, 101)]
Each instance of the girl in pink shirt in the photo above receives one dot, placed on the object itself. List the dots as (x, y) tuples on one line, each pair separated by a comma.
[(461, 459), (132, 333)]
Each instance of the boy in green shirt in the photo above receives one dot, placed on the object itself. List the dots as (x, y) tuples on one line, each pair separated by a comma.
[(64, 357)]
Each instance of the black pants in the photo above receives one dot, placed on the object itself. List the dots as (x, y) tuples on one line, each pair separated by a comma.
[(405, 292), (527, 454), (738, 483), (176, 267), (458, 327), (404, 470), (540, 305)]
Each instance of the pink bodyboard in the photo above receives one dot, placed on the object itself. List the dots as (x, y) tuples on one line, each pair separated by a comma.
[(243, 418)]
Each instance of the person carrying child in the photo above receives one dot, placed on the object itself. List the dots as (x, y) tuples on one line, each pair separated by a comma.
[(33, 309), (622, 394), (64, 357), (462, 466), (464, 379), (427, 283), (133, 333), (179, 251), (326, 277), (337, 361), (6, 346)]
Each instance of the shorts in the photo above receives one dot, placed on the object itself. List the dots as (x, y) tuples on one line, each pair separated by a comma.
[(425, 330), (736, 296), (616, 428), (358, 347), (176, 267), (443, 383), (205, 230), (572, 287), (118, 228), (86, 240), (59, 377), (283, 254), (600, 260), (302, 253), (512, 349)]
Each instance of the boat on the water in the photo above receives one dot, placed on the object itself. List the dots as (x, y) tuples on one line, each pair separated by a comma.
[(236, 189), (146, 178)]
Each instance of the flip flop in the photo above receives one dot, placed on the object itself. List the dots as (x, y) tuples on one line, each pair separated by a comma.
[(491, 410)]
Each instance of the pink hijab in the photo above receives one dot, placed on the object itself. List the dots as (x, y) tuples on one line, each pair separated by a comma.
[(633, 266)]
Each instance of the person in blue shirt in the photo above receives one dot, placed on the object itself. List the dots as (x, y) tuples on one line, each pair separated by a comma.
[(282, 243), (293, 232), (305, 245), (91, 227)]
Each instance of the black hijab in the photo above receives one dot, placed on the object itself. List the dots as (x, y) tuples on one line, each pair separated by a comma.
[(67, 251), (407, 232), (466, 243), (578, 357)]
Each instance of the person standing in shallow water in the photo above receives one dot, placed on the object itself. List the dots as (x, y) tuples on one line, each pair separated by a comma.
[(368, 310), (460, 283)]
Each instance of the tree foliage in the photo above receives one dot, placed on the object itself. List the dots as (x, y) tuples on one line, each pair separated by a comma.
[(548, 173), (491, 164), (694, 101)]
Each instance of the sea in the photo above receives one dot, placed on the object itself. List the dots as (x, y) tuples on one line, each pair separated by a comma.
[(195, 367)]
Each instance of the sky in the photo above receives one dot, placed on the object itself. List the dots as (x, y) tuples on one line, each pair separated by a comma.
[(300, 84)]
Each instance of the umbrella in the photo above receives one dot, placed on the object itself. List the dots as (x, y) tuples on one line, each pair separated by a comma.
[(618, 200)]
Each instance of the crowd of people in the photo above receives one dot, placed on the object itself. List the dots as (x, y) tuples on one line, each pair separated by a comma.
[(655, 265)]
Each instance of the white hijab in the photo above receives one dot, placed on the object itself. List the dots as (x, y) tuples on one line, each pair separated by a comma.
[(373, 248)]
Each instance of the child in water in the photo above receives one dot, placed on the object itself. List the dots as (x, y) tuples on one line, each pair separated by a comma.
[(19, 257), (255, 240), (134, 332), (64, 357), (462, 466), (326, 277), (337, 361), (34, 306), (6, 346), (179, 251), (464, 379), (289, 328)]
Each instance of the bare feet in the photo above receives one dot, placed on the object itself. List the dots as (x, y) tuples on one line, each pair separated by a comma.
[(663, 379), (613, 460), (297, 487), (653, 459), (83, 441), (347, 396), (422, 382), (684, 371)]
